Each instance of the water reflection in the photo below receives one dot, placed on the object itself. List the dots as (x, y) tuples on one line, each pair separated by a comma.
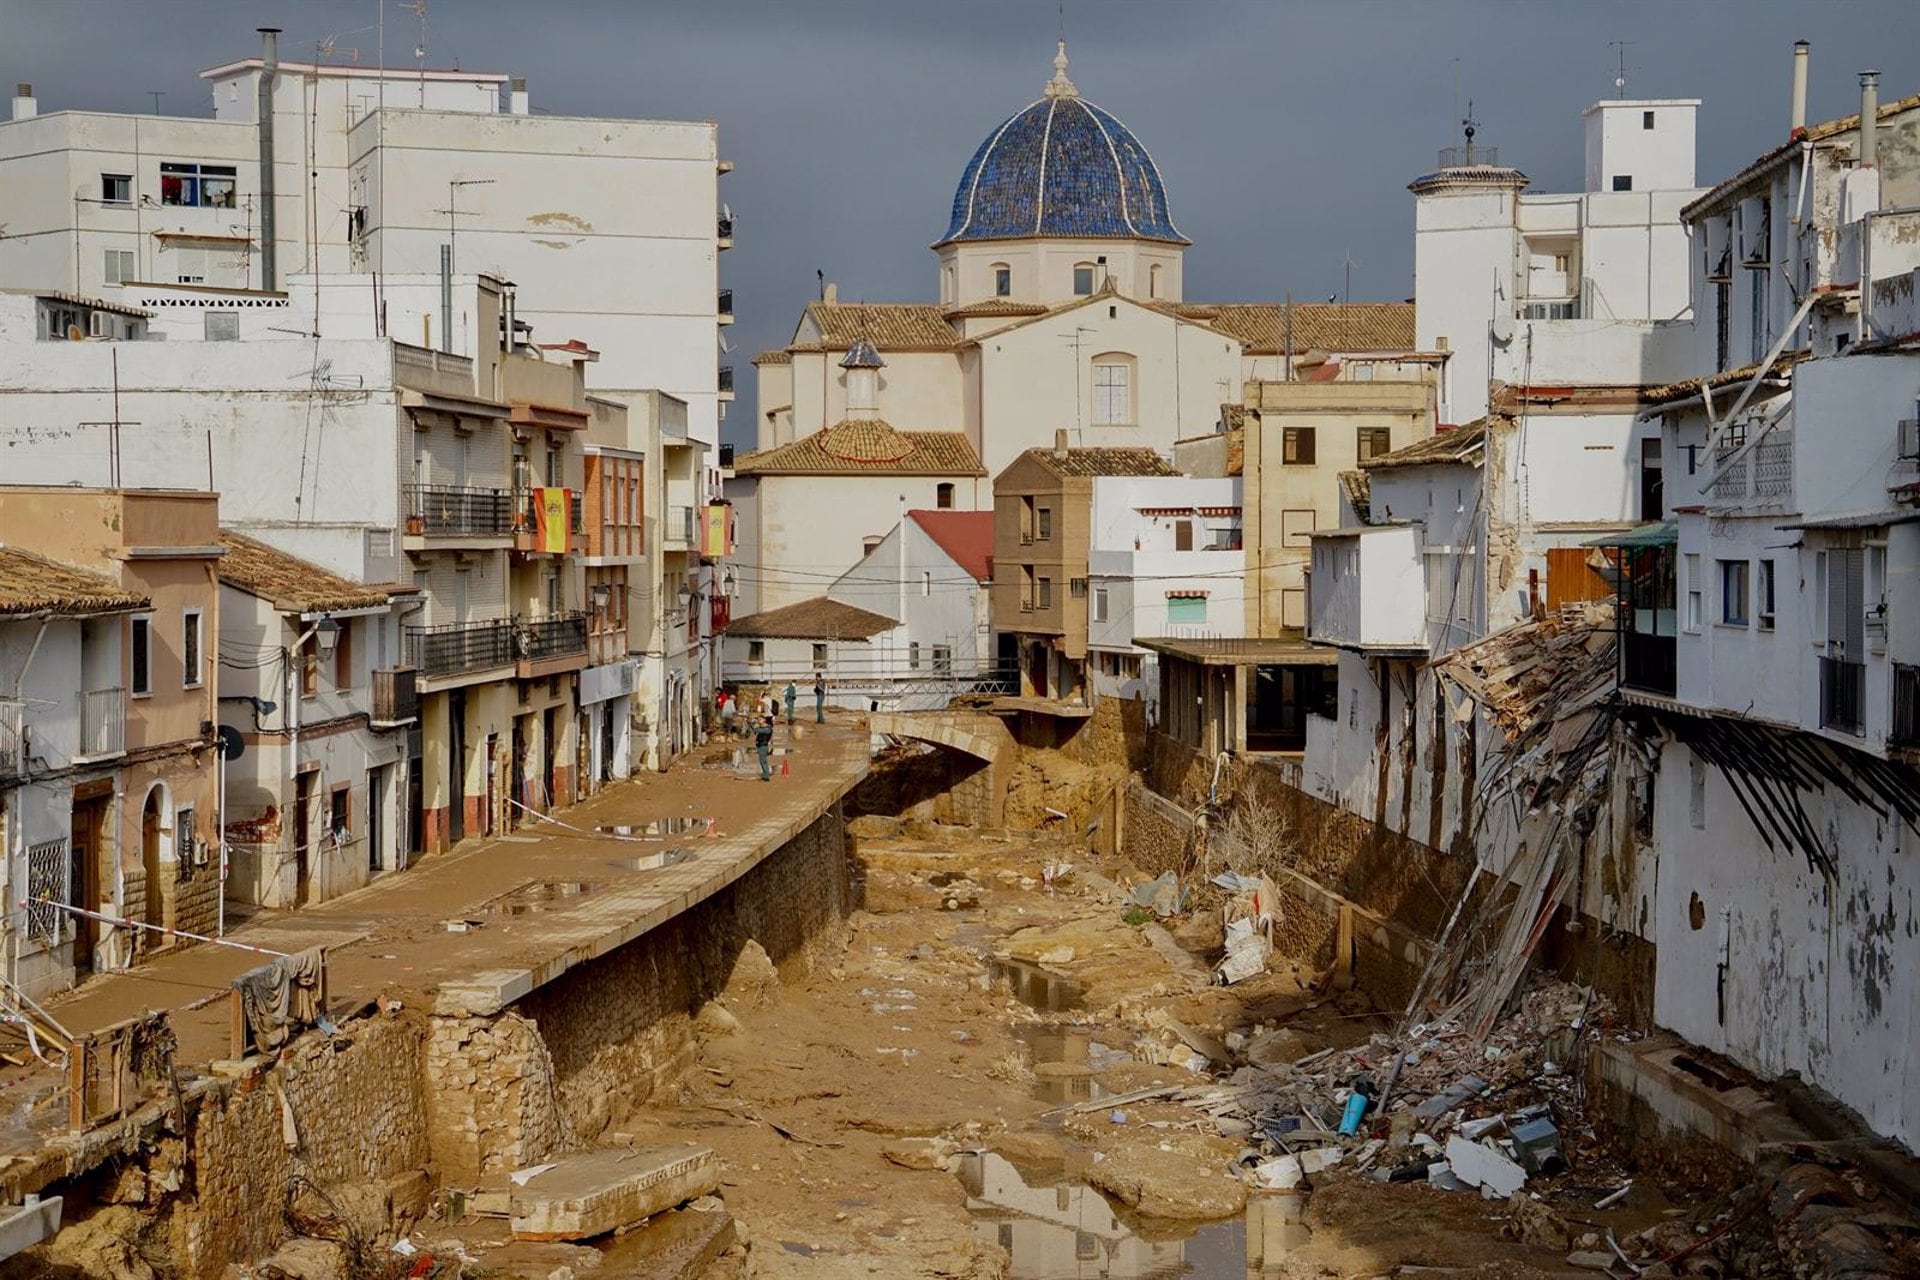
[(1037, 988), (1065, 1060), (654, 861), (659, 828), (542, 895), (1058, 1232)]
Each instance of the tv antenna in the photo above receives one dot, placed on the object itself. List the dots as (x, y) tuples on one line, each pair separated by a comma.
[(1620, 76)]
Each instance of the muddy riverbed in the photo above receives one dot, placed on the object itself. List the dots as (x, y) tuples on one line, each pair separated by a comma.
[(944, 1096)]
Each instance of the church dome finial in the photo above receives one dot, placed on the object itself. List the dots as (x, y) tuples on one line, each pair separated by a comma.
[(1060, 86)]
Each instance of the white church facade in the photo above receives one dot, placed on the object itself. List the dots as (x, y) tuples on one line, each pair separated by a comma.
[(1061, 308)]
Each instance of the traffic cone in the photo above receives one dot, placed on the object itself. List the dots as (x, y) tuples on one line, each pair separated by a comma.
[(784, 771)]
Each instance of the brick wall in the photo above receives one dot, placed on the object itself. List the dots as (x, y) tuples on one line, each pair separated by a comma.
[(490, 1099)]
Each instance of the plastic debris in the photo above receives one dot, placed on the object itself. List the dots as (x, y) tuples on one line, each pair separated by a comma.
[(1479, 1165)]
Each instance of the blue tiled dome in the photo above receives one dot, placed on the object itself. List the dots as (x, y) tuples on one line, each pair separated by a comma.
[(1061, 167)]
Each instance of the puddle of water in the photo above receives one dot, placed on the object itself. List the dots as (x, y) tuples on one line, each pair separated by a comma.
[(654, 861), (1035, 987), (1058, 1229), (658, 828), (542, 895), (1065, 1059)]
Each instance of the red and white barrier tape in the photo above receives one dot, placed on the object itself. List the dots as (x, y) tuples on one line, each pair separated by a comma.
[(121, 922)]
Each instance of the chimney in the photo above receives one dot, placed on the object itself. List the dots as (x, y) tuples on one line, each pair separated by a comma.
[(1798, 125), (1060, 443), (269, 73), (517, 96), (1869, 117), (830, 292), (25, 105)]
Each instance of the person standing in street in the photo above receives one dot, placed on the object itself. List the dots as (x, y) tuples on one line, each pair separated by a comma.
[(819, 697), (790, 695), (763, 747)]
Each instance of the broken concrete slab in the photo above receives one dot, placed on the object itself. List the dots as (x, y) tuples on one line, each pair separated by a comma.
[(595, 1192), (1479, 1165)]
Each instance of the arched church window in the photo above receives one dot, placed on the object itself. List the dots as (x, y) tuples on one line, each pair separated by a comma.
[(1153, 281), (1002, 280), (1113, 390), (946, 285), (1082, 279)]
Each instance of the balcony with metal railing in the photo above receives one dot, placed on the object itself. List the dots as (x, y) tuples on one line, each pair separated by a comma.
[(458, 511), (726, 382), (1843, 695), (460, 648), (723, 231), (1903, 727), (103, 724), (528, 535), (550, 645), (681, 528), (396, 697), (725, 307)]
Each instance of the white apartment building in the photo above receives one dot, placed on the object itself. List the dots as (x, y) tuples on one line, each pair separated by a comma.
[(1165, 560), (312, 168), (1769, 629)]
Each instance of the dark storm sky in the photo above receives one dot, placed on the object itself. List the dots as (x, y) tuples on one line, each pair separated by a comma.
[(1286, 130)]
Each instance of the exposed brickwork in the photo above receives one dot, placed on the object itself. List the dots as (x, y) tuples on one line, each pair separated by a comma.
[(490, 1099), (358, 1106)]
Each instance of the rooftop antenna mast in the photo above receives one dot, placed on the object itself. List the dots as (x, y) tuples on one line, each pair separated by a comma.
[(1620, 76), (419, 8), (1469, 126)]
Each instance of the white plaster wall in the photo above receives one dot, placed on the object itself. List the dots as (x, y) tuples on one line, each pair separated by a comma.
[(1043, 269), (1819, 978), (945, 605), (1844, 415), (918, 391), (1463, 270), (1138, 583), (1028, 382), (1617, 142)]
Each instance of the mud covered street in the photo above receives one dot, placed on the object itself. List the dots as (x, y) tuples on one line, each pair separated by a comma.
[(952, 1098)]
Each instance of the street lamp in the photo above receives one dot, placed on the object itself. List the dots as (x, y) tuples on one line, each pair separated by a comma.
[(326, 636)]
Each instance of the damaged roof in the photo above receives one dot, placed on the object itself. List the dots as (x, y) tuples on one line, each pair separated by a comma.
[(31, 584), (1669, 392), (1814, 133), (1459, 445), (820, 618), (287, 582), (1358, 491)]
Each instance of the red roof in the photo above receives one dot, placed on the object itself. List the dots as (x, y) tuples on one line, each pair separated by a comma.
[(967, 536)]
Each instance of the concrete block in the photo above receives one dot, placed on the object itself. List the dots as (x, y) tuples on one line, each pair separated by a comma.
[(588, 1195), (23, 1226)]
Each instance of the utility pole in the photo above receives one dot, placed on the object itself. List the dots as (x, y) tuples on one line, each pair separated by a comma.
[(453, 192)]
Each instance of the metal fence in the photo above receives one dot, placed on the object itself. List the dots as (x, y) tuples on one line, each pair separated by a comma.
[(438, 509), (457, 647), (555, 636), (1843, 695)]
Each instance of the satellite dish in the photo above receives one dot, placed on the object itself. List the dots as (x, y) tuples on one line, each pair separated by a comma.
[(231, 745), (74, 333), (1503, 329)]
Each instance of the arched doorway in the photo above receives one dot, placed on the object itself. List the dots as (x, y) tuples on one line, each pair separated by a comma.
[(153, 840)]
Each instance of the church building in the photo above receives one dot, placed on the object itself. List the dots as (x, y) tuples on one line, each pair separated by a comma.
[(1061, 309)]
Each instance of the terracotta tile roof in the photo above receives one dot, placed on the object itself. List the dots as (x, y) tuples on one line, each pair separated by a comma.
[(887, 325), (867, 446), (1690, 389), (774, 357), (1358, 490), (1324, 326), (1462, 444), (288, 582), (1233, 416), (820, 618), (1814, 133), (1103, 462), (996, 307), (967, 536), (33, 584)]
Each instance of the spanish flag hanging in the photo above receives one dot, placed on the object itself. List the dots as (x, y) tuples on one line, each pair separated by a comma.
[(552, 506)]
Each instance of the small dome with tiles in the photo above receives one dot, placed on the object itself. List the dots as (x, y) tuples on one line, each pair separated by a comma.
[(1061, 167)]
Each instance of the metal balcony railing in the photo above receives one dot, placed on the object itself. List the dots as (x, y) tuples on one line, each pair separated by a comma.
[(526, 506), (436, 510), (455, 648), (726, 457), (725, 307), (726, 377), (558, 635), (396, 696), (1843, 695), (103, 723), (1461, 157), (680, 524), (1903, 729), (1651, 663), (723, 228)]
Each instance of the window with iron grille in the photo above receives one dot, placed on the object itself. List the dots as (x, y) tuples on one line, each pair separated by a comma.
[(47, 885)]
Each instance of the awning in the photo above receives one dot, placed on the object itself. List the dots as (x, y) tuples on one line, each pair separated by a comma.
[(1858, 520), (1661, 533), (1246, 651)]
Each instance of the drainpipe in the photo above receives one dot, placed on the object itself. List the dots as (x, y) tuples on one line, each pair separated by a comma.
[(269, 73)]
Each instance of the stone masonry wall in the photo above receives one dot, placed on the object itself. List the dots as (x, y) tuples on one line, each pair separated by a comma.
[(492, 1106), (620, 1026), (357, 1104)]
